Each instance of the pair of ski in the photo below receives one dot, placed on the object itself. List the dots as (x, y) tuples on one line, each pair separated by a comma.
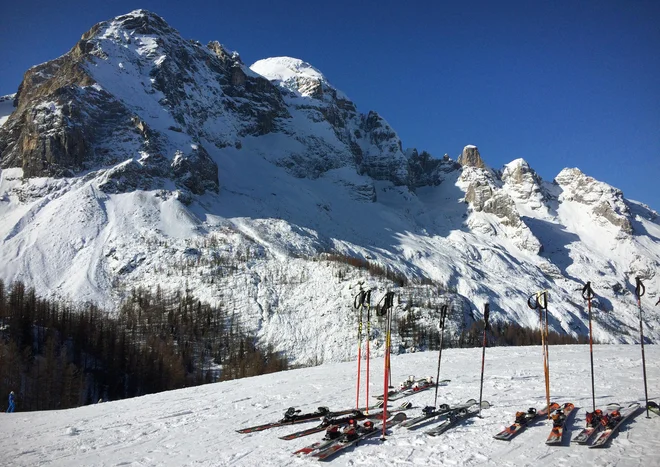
[(345, 420), (430, 414), (293, 417), (609, 421), (456, 417), (327, 448), (559, 414), (421, 385)]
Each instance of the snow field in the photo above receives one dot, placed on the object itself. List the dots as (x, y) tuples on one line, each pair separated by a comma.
[(196, 426)]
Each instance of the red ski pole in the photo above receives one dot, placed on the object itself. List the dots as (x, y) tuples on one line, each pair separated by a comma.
[(367, 302)]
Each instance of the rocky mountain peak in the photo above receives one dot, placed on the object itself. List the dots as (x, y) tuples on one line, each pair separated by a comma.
[(523, 183), (296, 75), (470, 157), (142, 22), (606, 201)]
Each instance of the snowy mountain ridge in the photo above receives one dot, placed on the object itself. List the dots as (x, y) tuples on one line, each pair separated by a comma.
[(143, 159)]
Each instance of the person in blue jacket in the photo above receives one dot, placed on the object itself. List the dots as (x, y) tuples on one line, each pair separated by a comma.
[(12, 404)]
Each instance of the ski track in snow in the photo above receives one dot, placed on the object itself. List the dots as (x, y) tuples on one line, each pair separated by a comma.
[(196, 426)]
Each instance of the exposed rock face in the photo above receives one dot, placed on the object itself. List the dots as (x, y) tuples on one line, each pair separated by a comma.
[(470, 157), (424, 170), (124, 92), (485, 194), (607, 202), (365, 141), (523, 184)]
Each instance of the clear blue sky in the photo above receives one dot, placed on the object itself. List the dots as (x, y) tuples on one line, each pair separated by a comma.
[(559, 83)]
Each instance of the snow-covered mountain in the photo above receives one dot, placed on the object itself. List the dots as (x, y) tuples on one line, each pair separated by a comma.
[(140, 158), (196, 426)]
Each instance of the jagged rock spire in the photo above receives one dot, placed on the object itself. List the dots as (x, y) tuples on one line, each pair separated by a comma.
[(471, 157)]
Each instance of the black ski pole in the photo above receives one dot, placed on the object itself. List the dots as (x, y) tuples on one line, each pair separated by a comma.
[(443, 315), (358, 304), (588, 295), (640, 290), (483, 353), (386, 310)]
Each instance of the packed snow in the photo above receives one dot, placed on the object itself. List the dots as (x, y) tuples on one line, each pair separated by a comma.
[(196, 426)]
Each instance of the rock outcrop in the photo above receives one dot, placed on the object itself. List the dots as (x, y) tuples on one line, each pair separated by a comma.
[(470, 157), (606, 202)]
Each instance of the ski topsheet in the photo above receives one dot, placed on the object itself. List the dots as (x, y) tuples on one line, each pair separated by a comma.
[(456, 417), (431, 413), (593, 424), (559, 418), (293, 417), (613, 422), (332, 434), (523, 419), (415, 387), (344, 442), (654, 407), (345, 420)]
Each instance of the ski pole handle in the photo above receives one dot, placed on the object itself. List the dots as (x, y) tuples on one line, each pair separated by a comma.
[(387, 303), (640, 290), (587, 291), (362, 299), (535, 305), (443, 315), (357, 301)]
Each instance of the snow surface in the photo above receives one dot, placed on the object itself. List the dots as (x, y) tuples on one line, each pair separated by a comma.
[(289, 71), (196, 426)]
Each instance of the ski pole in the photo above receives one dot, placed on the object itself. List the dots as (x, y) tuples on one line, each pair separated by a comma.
[(640, 290), (357, 304), (367, 302), (483, 354), (588, 295), (443, 315), (547, 343), (541, 306), (386, 309)]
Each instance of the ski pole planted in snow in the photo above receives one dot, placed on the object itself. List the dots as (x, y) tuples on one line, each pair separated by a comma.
[(588, 295), (640, 290), (483, 354), (362, 299), (367, 303), (443, 315), (386, 310), (357, 303), (541, 304)]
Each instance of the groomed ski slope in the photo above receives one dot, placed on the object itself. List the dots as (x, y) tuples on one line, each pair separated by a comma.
[(197, 426)]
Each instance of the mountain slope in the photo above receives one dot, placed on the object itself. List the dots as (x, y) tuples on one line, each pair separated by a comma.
[(143, 159)]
